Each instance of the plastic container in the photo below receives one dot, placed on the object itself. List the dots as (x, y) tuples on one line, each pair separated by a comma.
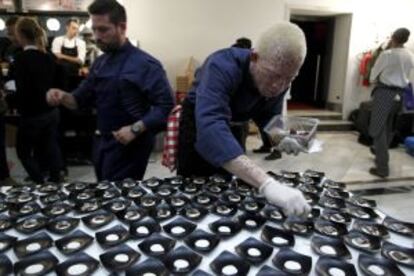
[(301, 128)]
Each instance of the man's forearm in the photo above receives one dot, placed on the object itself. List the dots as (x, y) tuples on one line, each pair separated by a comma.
[(69, 101), (247, 170)]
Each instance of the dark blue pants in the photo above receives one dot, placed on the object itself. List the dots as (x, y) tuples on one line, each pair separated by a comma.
[(4, 169), (114, 161)]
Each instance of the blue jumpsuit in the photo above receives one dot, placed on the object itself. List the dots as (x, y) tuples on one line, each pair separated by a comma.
[(125, 86), (223, 92)]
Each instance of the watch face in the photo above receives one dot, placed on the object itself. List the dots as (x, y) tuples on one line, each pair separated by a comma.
[(136, 128)]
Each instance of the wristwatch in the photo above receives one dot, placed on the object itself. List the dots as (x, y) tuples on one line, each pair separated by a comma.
[(136, 128)]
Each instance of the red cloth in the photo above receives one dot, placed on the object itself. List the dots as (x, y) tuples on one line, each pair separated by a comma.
[(170, 149)]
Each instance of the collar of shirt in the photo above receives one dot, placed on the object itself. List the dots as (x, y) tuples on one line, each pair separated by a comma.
[(30, 47)]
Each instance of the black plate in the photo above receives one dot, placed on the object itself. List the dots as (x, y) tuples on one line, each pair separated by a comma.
[(251, 221), (119, 258), (225, 227), (88, 207), (402, 255), (193, 213), (3, 206), (150, 266), (77, 186), (362, 213), (32, 245), (254, 251), (251, 205), (112, 236), (336, 216), (373, 266), (292, 262), (200, 273), (327, 266), (56, 209), (311, 199), (48, 188), (362, 241), (53, 198), (175, 181), (98, 219), (205, 200), (371, 228), (268, 271), (162, 212), (165, 191), (273, 213), (132, 214), (36, 265), (329, 228), (80, 265), (181, 261), (310, 188), (152, 183), (362, 202), (314, 175), (335, 193), (277, 237), (232, 197), (298, 226), (330, 247), (23, 210), (144, 228), (127, 184), (6, 266), (73, 243), (314, 214), (6, 222), (149, 201), (179, 228), (201, 241), (156, 245), (332, 203), (62, 225), (116, 206), (229, 264), (334, 184), (21, 198), (6, 242), (191, 188), (134, 193), (178, 201), (399, 227), (31, 224)]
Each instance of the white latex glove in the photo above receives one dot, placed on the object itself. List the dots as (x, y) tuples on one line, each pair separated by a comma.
[(290, 145), (291, 200)]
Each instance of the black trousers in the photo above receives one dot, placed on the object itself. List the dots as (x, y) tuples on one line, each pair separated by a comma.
[(190, 163), (38, 135), (4, 169)]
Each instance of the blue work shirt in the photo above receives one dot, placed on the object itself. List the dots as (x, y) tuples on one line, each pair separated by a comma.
[(126, 86), (224, 92)]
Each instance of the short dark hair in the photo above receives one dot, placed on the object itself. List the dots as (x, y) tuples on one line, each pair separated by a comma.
[(243, 42), (401, 35), (70, 20), (116, 11), (11, 21)]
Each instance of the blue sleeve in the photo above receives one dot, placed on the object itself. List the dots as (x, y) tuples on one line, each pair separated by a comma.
[(215, 142), (85, 93), (157, 91)]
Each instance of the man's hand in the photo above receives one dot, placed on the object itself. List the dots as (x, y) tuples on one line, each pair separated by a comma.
[(289, 199), (54, 97), (124, 135), (290, 145)]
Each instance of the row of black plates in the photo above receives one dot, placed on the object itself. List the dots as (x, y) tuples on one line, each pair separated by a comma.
[(144, 205)]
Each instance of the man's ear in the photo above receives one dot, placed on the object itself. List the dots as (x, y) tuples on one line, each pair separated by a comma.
[(123, 26), (254, 56)]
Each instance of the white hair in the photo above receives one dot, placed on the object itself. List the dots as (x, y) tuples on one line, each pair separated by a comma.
[(283, 42)]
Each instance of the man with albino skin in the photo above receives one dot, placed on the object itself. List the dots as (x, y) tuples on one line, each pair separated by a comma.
[(238, 85)]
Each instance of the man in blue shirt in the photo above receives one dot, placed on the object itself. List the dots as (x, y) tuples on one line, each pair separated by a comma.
[(131, 94), (237, 85)]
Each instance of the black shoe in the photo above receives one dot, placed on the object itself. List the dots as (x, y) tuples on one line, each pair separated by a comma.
[(374, 171), (262, 149), (274, 155)]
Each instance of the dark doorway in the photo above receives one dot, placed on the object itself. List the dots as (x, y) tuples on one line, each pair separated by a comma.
[(310, 88)]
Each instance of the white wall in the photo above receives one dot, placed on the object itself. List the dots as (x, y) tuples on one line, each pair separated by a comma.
[(175, 30)]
